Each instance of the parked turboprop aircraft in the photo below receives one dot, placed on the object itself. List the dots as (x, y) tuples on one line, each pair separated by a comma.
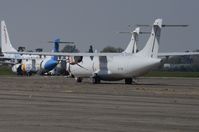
[(126, 65), (117, 66), (28, 63)]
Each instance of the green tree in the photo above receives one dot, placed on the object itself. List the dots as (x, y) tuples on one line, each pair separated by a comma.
[(39, 50), (112, 49), (21, 49), (70, 49)]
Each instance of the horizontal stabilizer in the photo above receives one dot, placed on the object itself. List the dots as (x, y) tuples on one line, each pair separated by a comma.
[(164, 25), (133, 32), (177, 54), (61, 42)]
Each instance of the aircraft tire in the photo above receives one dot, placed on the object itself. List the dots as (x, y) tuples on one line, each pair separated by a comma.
[(128, 80), (79, 79), (96, 80)]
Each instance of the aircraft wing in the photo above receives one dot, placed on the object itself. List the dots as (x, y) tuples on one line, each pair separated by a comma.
[(99, 54), (177, 54), (5, 58), (65, 54), (7, 62)]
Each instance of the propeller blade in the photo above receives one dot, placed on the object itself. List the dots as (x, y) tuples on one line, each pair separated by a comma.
[(81, 66)]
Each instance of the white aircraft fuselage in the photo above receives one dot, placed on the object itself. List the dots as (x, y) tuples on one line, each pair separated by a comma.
[(112, 68)]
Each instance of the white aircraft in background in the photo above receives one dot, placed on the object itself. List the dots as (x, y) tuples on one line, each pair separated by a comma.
[(117, 66), (132, 46), (28, 63)]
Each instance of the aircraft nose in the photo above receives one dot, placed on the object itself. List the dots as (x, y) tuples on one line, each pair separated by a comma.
[(51, 64)]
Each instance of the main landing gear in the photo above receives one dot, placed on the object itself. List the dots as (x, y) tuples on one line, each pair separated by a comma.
[(78, 79), (95, 79), (128, 80)]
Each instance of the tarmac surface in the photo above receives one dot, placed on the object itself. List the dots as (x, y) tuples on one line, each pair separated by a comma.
[(49, 104)]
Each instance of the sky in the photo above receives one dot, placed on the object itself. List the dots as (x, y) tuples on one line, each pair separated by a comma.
[(32, 23)]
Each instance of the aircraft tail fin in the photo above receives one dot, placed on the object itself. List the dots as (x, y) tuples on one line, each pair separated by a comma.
[(132, 46), (152, 46), (56, 43), (5, 40), (56, 48)]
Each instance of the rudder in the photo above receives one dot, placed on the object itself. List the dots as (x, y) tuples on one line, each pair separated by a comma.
[(5, 40), (152, 46)]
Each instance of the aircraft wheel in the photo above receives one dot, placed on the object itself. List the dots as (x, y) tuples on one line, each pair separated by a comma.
[(79, 79), (128, 81), (96, 80)]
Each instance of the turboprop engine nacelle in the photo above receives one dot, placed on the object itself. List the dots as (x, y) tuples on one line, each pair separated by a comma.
[(48, 64), (20, 69), (16, 67)]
